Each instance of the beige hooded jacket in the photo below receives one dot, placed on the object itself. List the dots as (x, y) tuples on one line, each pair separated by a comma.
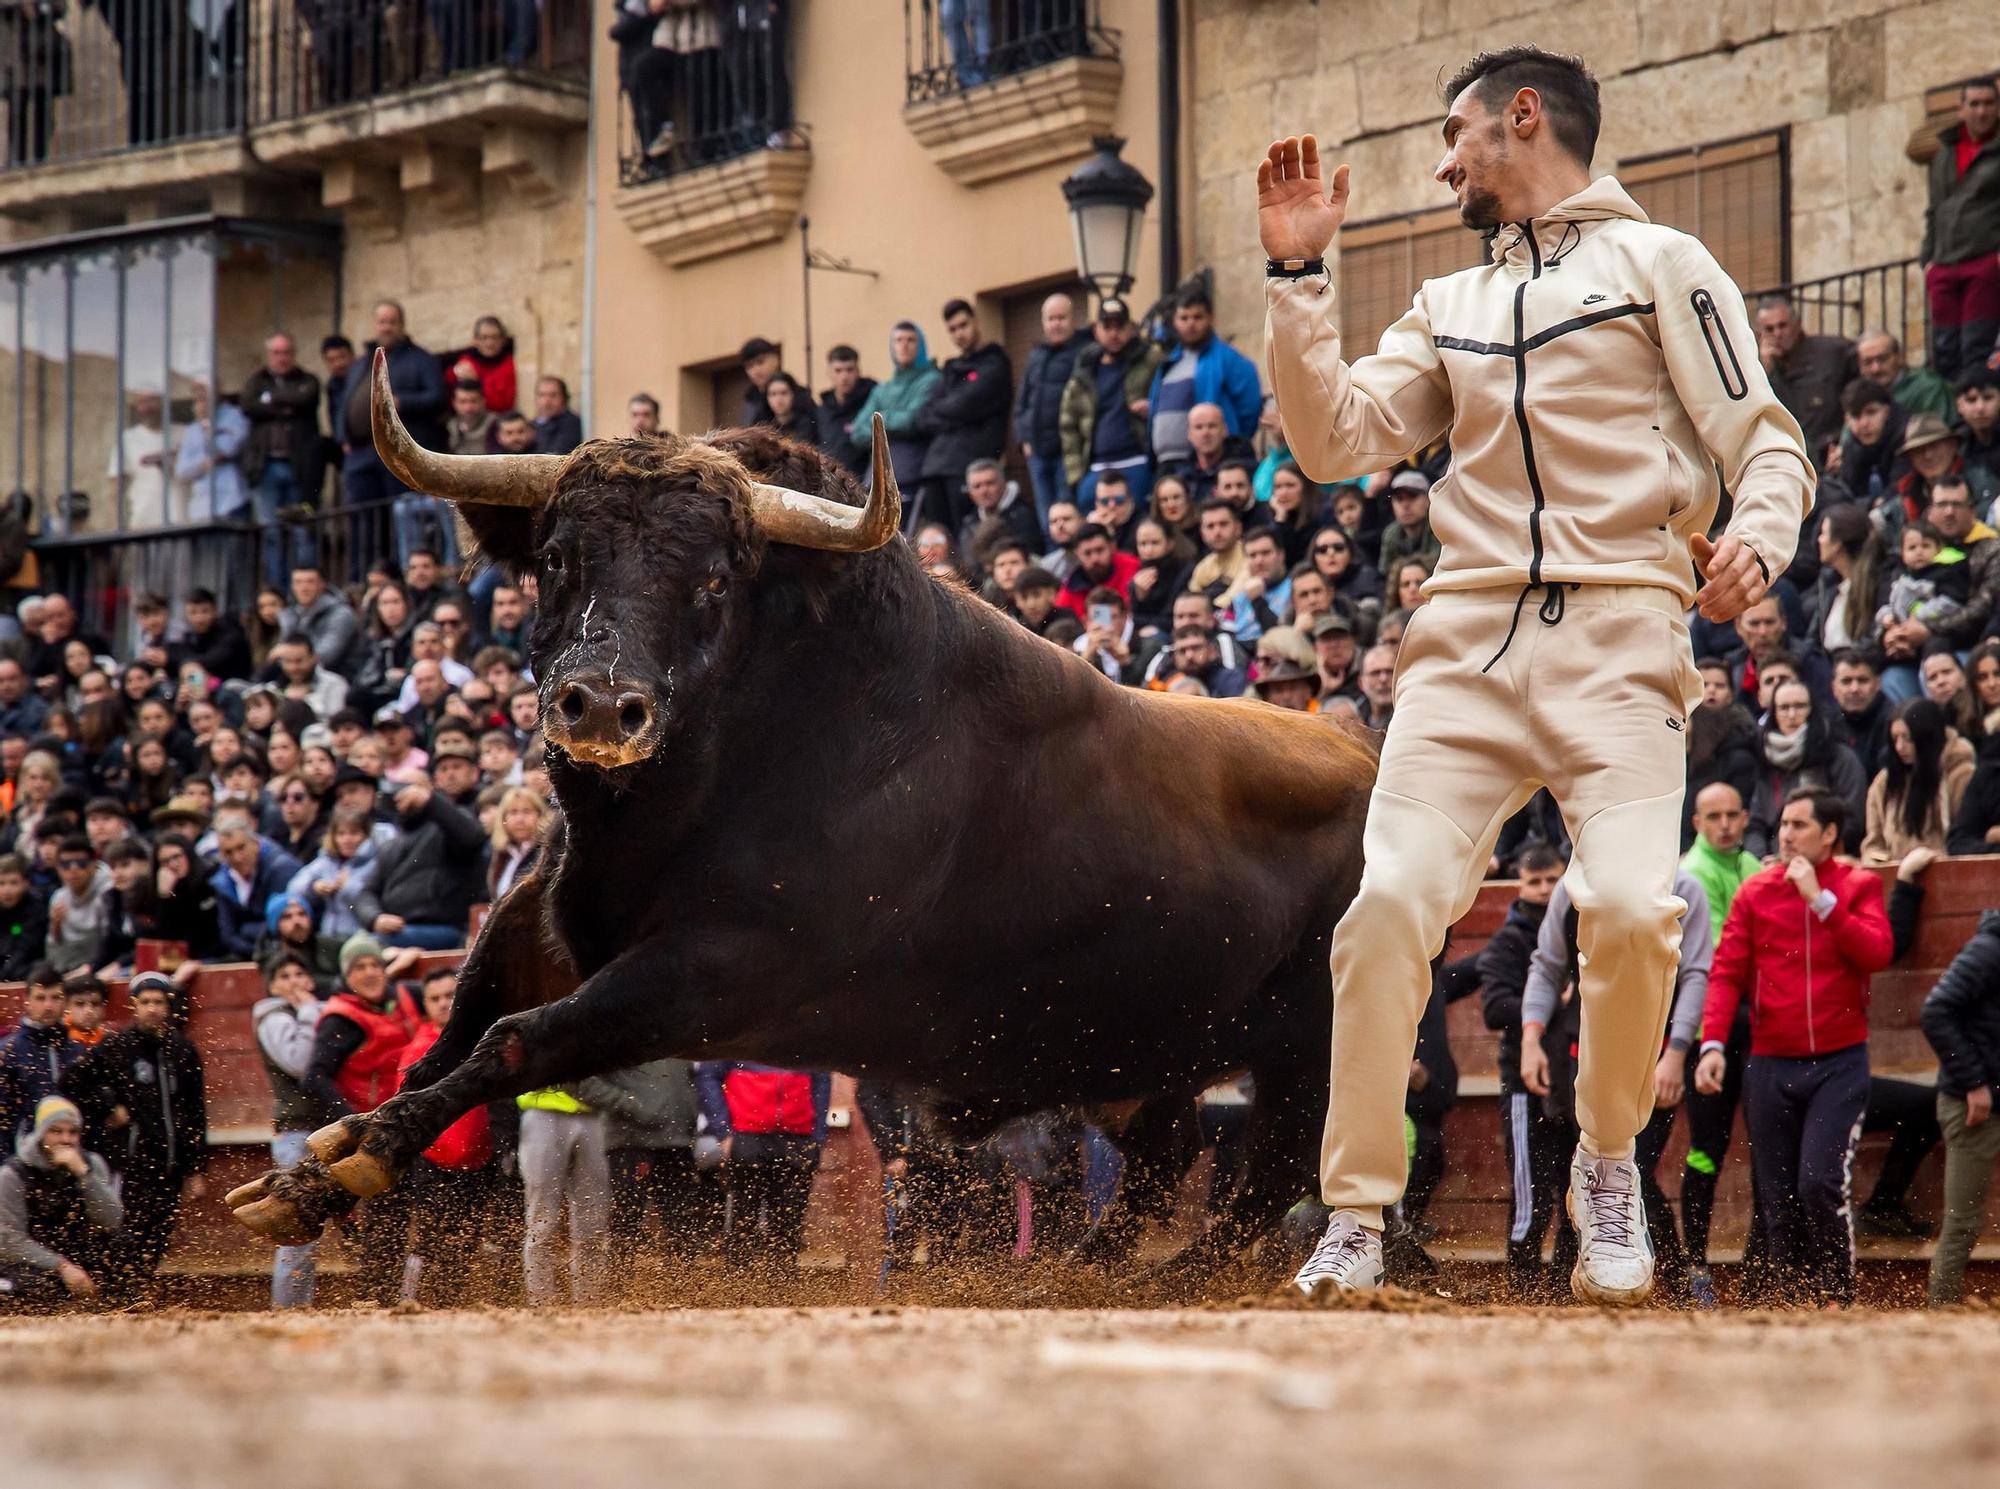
[(1591, 378)]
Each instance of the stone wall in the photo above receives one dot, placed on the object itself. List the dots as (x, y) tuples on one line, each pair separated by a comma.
[(1847, 77)]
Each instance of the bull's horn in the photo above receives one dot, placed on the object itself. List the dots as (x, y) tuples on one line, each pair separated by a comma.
[(804, 521), (497, 480)]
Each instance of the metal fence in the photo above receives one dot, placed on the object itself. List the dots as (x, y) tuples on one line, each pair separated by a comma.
[(701, 87), (1889, 296), (80, 78), (952, 45)]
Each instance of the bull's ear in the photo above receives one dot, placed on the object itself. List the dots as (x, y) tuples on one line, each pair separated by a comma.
[(506, 535)]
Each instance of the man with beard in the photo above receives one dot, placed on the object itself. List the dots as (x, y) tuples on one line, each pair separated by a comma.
[(1099, 565), (1639, 341), (1862, 722)]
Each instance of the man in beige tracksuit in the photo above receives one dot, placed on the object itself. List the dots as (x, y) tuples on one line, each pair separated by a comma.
[(1591, 377)]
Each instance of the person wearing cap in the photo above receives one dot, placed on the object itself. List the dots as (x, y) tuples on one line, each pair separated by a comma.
[(1409, 535), (1334, 652), (455, 770), (1932, 448), (1288, 684), (146, 1086), (59, 1213), (1102, 419), (759, 360), (428, 876)]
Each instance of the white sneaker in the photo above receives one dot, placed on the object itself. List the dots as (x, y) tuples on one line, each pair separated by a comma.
[(1347, 1258), (1614, 1262)]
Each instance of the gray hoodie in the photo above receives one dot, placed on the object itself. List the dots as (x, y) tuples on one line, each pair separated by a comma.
[(1546, 971), (647, 1106), (100, 1204)]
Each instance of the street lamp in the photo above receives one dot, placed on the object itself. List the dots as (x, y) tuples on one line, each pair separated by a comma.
[(1107, 204)]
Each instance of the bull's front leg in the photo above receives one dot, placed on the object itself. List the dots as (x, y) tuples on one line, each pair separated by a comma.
[(626, 1014)]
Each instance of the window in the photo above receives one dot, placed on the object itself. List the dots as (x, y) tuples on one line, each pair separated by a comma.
[(1382, 263), (1731, 195)]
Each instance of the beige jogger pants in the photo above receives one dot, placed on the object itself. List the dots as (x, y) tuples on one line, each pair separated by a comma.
[(1593, 706)]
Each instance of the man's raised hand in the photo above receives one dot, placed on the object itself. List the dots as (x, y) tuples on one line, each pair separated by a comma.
[(1297, 213)]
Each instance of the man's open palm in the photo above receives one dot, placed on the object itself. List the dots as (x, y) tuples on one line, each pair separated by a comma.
[(1297, 212)]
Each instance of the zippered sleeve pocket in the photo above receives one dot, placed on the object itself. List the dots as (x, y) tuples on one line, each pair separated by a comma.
[(1720, 349)]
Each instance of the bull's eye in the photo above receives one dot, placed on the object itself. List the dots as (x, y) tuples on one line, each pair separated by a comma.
[(717, 584), (552, 559)]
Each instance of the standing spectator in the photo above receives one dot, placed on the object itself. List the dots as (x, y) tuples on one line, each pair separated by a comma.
[(557, 428), (451, 1180), (1961, 247), (139, 462), (838, 415), (1201, 368), (771, 1124), (1915, 390), (1104, 412), (791, 410), (421, 401), (912, 378), (1806, 934), (1409, 535), (36, 1055), (281, 458), (79, 911), (1917, 793), (286, 1020), (145, 1085), (649, 1121), (427, 876), (1961, 1019), (642, 412), (252, 871), (1806, 372), (470, 430), (205, 464), (489, 361), (759, 360), (965, 416), (563, 1161), (59, 1213), (1038, 406)]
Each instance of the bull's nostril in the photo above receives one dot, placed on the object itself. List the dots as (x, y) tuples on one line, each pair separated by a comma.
[(572, 705), (632, 717)]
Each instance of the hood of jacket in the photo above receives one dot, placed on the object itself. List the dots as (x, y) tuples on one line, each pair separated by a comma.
[(1560, 228), (1526, 915), (918, 364)]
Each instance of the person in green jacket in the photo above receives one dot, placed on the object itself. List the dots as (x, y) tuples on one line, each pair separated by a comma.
[(1961, 247), (897, 399), (1718, 860), (1096, 437)]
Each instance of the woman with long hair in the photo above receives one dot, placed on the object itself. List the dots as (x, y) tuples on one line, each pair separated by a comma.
[(387, 625), (138, 682), (1799, 750), (1945, 684), (1985, 669), (35, 786), (100, 740), (77, 659), (1410, 577), (1340, 562), (335, 880), (516, 840), (263, 629), (791, 408), (1916, 793), (225, 747), (1298, 508), (184, 900), (151, 777), (1852, 580), (1173, 507), (1165, 559)]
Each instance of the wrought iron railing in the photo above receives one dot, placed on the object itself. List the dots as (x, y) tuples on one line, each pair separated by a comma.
[(702, 84), (952, 45), (1886, 296)]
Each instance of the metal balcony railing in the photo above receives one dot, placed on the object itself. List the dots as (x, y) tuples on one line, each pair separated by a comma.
[(702, 83), (1890, 296), (952, 45)]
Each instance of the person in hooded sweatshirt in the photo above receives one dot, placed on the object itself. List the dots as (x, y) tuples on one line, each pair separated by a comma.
[(59, 1214), (147, 1086), (36, 1056), (898, 401), (286, 1019)]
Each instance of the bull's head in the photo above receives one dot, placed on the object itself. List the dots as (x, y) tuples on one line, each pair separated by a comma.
[(643, 550)]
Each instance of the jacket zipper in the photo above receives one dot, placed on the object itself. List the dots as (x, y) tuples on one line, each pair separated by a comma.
[(1717, 338), (1812, 1034), (1521, 404)]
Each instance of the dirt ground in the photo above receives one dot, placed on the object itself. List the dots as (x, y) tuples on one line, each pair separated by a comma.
[(826, 1398)]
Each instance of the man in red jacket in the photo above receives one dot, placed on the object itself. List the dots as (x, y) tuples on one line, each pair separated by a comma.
[(1802, 938)]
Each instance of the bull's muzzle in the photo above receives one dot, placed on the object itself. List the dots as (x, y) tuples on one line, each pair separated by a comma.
[(601, 722)]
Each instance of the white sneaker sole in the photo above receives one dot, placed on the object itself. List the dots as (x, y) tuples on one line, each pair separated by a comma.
[(1586, 1291), (1320, 1286)]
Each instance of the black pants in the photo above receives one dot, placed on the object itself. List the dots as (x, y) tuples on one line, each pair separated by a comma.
[(1539, 1148), (1426, 1165), (1908, 1113), (1669, 1257), (770, 1179), (663, 1181), (1805, 1119), (450, 1206), (152, 1207)]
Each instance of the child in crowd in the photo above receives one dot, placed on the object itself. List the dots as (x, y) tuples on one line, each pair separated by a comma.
[(24, 920), (1935, 583), (1978, 404), (1868, 458)]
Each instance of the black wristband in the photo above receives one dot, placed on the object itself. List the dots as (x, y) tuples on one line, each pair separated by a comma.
[(1294, 268)]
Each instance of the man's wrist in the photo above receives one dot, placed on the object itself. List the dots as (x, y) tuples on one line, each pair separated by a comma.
[(1296, 268), (1712, 1044), (1822, 903)]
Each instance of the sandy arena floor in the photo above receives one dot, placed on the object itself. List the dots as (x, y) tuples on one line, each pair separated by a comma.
[(828, 1398)]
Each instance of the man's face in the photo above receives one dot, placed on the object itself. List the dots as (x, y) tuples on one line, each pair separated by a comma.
[(1538, 886), (963, 330), (1980, 408), (1114, 505), (152, 623), (438, 996), (58, 620), (1058, 319), (76, 869), (1951, 512), (525, 709), (12, 887), (239, 850), (549, 398), (292, 983), (1979, 111), (146, 409), (13, 681), (1296, 695), (516, 436), (450, 620), (1265, 557), (1035, 604), (44, 1005), (1867, 426), (1934, 459), (280, 356), (1206, 429), (200, 616), (1335, 652), (494, 757), (1064, 520), (1378, 676), (84, 1011), (1762, 628), (1879, 358), (103, 829), (1778, 329), (1192, 323), (468, 404), (338, 360), (1219, 530), (645, 418), (389, 325), (760, 369), (508, 608), (455, 775), (1114, 336), (294, 923), (366, 978), (1093, 556), (92, 686), (430, 683), (1412, 508), (985, 486), (1801, 836), (421, 572), (296, 661), (306, 586), (1194, 654), (1233, 486), (1720, 819), (1007, 568), (1477, 162), (1310, 596), (1855, 687), (1716, 691), (903, 346)]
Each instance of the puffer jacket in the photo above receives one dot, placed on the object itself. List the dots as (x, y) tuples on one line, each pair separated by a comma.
[(1961, 1015), (1038, 405), (966, 413), (1806, 978), (1592, 376), (1962, 217), (1079, 414)]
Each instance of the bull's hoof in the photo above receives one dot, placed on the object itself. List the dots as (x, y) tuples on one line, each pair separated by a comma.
[(248, 1194), (276, 1220), (291, 1206), (362, 1175), (334, 1141)]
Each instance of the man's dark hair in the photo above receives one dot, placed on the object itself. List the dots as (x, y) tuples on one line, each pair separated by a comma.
[(561, 386), (13, 863), (1104, 594), (1977, 376), (1854, 656), (1034, 579), (1093, 530), (277, 961), (436, 974), (127, 850), (1193, 633), (1829, 809), (955, 308), (1007, 545), (1262, 532), (150, 603), (334, 343), (299, 639), (1862, 393), (75, 842), (1540, 856), (843, 353), (201, 597), (1567, 89), (1112, 477), (44, 974), (431, 554), (1237, 463), (85, 982), (1969, 84), (347, 717), (1952, 479), (648, 399), (512, 417), (1192, 296), (1222, 504), (469, 385)]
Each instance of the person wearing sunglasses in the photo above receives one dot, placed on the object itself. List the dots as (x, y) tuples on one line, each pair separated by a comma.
[(78, 913), (1353, 578)]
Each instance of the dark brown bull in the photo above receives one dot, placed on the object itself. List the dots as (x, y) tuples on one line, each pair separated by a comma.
[(823, 810)]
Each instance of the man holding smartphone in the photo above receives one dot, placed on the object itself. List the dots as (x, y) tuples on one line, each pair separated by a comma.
[(1591, 375)]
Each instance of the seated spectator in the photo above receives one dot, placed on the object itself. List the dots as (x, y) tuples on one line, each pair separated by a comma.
[(1917, 794), (772, 1125), (1961, 1019), (1165, 560), (290, 928), (1264, 591), (59, 1213), (1853, 582), (1099, 565), (1409, 535), (24, 926), (996, 499), (516, 840), (1297, 510), (1978, 405), (215, 642), (1378, 686), (130, 912), (253, 870), (333, 881), (34, 1057), (1407, 580), (1195, 655), (489, 362), (1799, 751), (286, 1020), (185, 905), (1933, 454), (1934, 585), (1945, 685), (1916, 390), (1761, 629), (1220, 572), (1334, 653), (1034, 600), (324, 692), (1106, 642), (1863, 711), (427, 877), (320, 616), (150, 782), (427, 655), (1288, 684), (79, 911), (499, 758), (1211, 450)]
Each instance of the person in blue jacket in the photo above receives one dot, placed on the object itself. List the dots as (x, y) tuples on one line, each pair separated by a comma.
[(1201, 368)]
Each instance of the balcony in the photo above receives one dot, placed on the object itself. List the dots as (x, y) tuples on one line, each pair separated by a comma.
[(134, 110), (998, 88), (710, 157)]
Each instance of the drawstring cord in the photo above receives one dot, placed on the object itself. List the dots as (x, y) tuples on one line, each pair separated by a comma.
[(1550, 613)]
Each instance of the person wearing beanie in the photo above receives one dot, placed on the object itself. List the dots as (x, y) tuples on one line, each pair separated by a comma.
[(34, 1058), (146, 1087), (59, 1215)]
